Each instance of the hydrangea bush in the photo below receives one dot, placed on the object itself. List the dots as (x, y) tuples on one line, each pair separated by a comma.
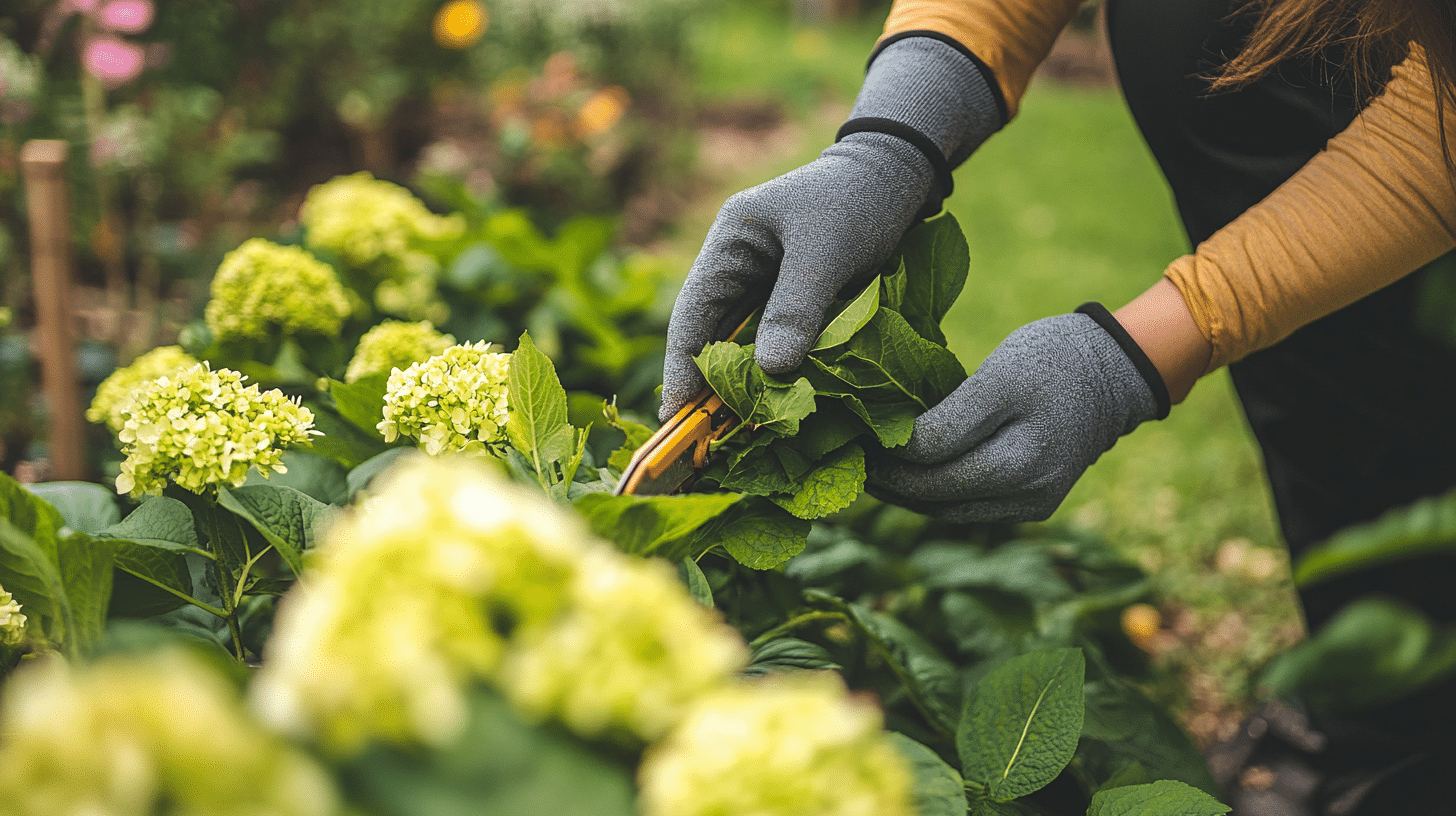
[(454, 401), (115, 394), (202, 428), (12, 623), (262, 289), (395, 344)]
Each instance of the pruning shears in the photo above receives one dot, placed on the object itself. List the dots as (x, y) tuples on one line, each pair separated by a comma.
[(671, 458)]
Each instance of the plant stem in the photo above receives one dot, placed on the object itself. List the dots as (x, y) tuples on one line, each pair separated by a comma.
[(794, 623)]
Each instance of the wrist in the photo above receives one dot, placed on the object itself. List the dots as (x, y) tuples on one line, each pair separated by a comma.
[(1145, 367), (1160, 323)]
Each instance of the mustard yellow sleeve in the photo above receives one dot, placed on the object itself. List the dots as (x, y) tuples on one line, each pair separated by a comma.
[(1009, 37), (1374, 206)]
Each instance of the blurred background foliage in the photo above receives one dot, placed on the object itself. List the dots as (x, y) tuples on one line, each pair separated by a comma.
[(209, 124)]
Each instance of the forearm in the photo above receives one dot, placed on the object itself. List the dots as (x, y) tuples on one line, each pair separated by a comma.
[(1377, 204)]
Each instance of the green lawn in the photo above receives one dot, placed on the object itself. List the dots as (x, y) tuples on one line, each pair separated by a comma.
[(1064, 206)]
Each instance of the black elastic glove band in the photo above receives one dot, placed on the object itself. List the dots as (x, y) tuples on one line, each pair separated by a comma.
[(944, 183), (1134, 352)]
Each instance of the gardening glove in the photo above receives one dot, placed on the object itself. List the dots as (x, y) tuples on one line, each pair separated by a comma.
[(791, 244), (1008, 444)]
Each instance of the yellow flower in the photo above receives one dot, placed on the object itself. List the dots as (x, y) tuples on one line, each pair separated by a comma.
[(144, 735), (460, 23), (792, 745), (202, 428), (115, 393), (262, 289), (454, 401), (395, 344)]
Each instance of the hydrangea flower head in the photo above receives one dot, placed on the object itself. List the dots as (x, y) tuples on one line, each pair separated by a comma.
[(366, 221), (116, 392), (202, 428), (143, 735), (12, 623), (395, 344), (411, 597), (631, 654), (262, 289), (792, 745), (454, 401)]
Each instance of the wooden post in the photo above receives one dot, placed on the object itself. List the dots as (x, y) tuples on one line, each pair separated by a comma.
[(43, 164)]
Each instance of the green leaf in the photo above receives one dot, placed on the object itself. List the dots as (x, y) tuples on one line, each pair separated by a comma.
[(1426, 527), (636, 434), (361, 402), (851, 318), (85, 568), (160, 522), (929, 679), (754, 396), (1375, 651), (160, 578), (537, 425), (937, 259), (938, 788), (33, 578), (342, 440), (887, 353), (1139, 732), (830, 487), (30, 515), (287, 518), (322, 478), (1019, 567), (757, 533), (500, 765), (83, 506), (1163, 798), (647, 525), (360, 477), (1021, 722), (788, 654), (695, 581)]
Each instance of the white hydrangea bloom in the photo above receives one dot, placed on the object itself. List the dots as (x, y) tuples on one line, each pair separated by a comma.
[(455, 401), (202, 428), (368, 221), (116, 393), (648, 648), (792, 745), (143, 735), (410, 598), (262, 289), (395, 344), (12, 623)]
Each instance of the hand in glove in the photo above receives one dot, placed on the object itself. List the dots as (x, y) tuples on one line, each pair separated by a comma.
[(1011, 441), (793, 243)]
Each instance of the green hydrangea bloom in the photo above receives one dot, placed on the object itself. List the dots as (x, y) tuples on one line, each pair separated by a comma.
[(144, 735), (12, 623), (632, 653), (202, 428), (793, 745), (262, 289), (366, 221), (454, 401), (395, 344), (409, 598), (115, 393)]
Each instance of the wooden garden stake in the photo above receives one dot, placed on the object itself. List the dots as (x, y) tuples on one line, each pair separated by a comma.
[(43, 164)]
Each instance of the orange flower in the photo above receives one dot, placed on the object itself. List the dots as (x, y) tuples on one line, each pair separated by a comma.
[(603, 110)]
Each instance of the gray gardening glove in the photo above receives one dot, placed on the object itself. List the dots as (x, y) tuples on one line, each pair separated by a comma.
[(793, 243), (1010, 442)]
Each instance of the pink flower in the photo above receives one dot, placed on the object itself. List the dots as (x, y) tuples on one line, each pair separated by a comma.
[(127, 16), (112, 60)]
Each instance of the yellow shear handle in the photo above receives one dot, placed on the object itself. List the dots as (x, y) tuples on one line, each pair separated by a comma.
[(689, 431)]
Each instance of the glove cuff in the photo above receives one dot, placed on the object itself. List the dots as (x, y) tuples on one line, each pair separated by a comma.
[(943, 185), (1135, 354)]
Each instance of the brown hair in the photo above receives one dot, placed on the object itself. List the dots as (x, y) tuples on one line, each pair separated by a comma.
[(1371, 36)]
